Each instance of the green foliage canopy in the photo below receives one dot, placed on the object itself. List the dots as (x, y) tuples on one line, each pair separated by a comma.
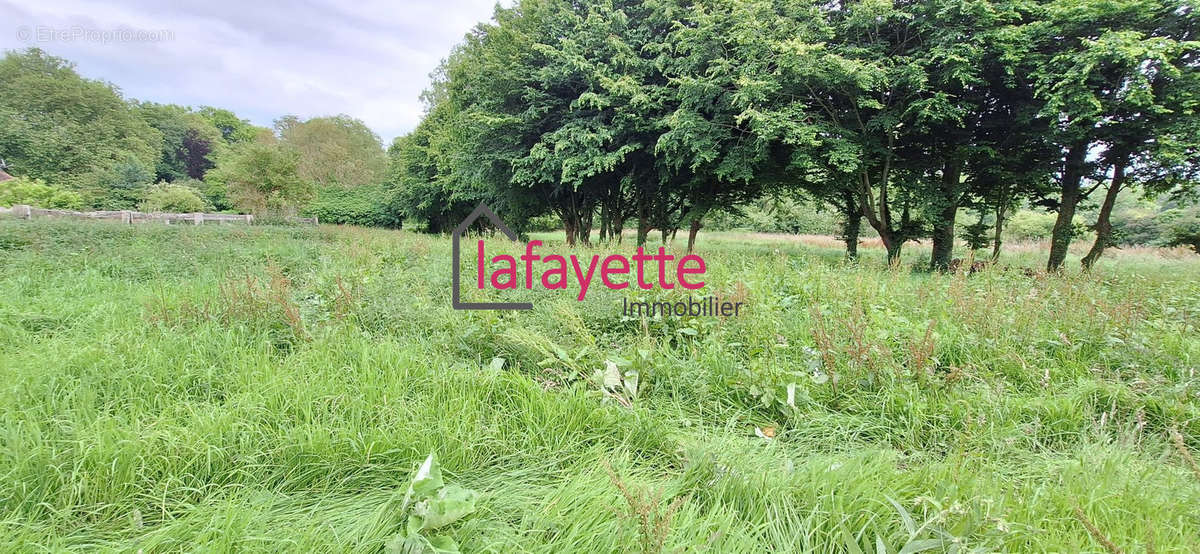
[(334, 151), (58, 126)]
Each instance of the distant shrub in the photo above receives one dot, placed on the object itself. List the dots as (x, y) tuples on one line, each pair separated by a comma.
[(217, 195), (1136, 221), (120, 186), (259, 177), (367, 205), (35, 192), (977, 235), (172, 197), (1030, 225), (1182, 228), (543, 223)]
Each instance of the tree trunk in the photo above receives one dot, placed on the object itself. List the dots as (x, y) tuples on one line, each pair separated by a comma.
[(604, 220), (893, 251), (892, 243), (943, 242), (616, 212), (851, 226), (570, 223), (881, 221), (943, 223), (997, 237), (693, 230), (569, 230), (1060, 239), (585, 226), (1103, 221), (643, 221)]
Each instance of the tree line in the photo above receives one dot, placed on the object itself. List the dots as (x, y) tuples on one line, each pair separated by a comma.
[(657, 113), (79, 143)]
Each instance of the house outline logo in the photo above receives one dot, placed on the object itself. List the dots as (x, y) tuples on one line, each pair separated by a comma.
[(484, 210)]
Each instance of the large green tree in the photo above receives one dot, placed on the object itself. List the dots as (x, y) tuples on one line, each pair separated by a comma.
[(852, 80), (233, 128), (336, 151), (261, 177), (420, 177), (58, 126), (189, 141), (722, 152), (1151, 138), (1117, 79), (552, 99), (590, 109)]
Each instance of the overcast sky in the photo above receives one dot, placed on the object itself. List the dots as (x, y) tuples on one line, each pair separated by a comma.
[(262, 59)]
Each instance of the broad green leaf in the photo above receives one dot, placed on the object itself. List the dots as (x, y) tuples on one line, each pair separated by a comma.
[(451, 504), (425, 483), (631, 383), (412, 543), (610, 378), (407, 544), (442, 544)]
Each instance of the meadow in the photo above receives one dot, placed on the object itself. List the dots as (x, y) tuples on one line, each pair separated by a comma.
[(235, 388)]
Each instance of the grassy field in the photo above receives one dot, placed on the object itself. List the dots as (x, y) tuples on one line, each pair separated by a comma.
[(266, 389)]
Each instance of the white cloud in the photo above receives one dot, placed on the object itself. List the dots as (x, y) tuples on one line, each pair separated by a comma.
[(368, 59)]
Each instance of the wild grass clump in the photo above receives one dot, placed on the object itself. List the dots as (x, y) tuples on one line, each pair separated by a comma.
[(647, 512)]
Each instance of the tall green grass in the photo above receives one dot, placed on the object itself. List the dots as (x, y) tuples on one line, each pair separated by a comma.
[(266, 389)]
